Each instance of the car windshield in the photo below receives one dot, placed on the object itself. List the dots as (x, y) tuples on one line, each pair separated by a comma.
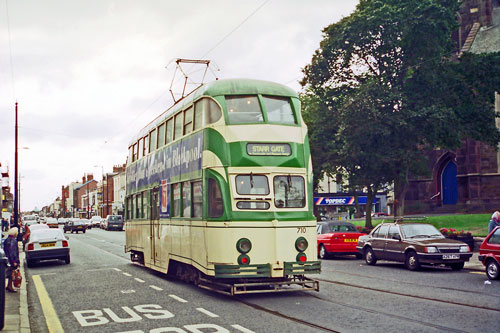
[(41, 235), (333, 227), (115, 218), (420, 231)]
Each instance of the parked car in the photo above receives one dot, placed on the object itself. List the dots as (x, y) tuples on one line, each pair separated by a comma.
[(336, 237), (75, 225), (96, 221), (414, 244), (62, 221), (489, 254), (47, 244), (114, 222), (52, 222), (379, 214)]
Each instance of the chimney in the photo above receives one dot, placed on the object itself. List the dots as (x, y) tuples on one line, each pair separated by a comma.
[(90, 176), (83, 180)]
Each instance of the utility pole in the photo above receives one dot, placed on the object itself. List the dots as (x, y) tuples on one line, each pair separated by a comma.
[(16, 190)]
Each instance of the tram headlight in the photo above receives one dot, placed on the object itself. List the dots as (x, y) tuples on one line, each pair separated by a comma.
[(243, 245), (243, 259), (301, 257), (301, 244)]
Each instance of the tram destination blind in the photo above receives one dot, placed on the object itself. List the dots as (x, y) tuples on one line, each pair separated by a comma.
[(269, 149)]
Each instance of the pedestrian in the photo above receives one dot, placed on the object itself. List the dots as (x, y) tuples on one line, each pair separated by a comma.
[(12, 252), (5, 224), (494, 222)]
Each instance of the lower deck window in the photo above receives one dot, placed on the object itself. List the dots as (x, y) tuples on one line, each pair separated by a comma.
[(259, 205), (176, 202), (289, 192)]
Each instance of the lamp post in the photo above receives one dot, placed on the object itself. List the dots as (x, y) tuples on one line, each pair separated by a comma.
[(16, 203)]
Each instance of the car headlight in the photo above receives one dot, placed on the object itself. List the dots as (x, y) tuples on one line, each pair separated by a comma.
[(431, 249), (464, 248)]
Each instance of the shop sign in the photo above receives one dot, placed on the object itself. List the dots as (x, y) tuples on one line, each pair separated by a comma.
[(340, 201)]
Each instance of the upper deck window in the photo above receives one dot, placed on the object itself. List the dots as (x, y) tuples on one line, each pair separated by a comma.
[(289, 192), (152, 141), (178, 126), (252, 184), (279, 110), (161, 135), (244, 110), (188, 121)]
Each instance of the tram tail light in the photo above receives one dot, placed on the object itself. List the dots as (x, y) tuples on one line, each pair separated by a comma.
[(301, 257), (301, 244), (243, 259)]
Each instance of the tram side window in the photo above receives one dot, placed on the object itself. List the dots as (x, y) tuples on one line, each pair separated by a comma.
[(170, 131), (243, 110), (130, 154), (176, 202), (131, 207), (289, 192), (198, 117), (188, 121), (135, 153), (140, 150), (143, 203), (137, 207), (210, 109), (161, 135), (127, 203), (252, 184), (178, 126), (279, 110), (197, 199), (152, 141), (186, 199), (145, 146), (215, 203)]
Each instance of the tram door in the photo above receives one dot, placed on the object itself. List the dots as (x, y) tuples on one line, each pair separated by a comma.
[(155, 226)]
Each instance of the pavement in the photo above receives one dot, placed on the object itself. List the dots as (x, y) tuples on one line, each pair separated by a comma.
[(16, 304)]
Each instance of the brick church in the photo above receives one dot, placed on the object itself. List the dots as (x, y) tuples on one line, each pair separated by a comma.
[(467, 179)]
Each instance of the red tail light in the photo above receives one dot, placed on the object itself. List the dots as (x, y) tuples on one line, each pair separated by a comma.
[(65, 243), (31, 247)]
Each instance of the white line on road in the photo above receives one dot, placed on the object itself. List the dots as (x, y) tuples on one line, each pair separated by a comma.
[(127, 274), (242, 329), (208, 313), (156, 288), (139, 280), (117, 269), (177, 298)]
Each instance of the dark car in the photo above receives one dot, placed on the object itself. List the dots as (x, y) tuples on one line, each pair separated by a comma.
[(75, 226), (114, 222), (489, 254), (414, 244), (336, 237)]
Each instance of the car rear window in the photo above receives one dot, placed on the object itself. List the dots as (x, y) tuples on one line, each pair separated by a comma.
[(46, 234)]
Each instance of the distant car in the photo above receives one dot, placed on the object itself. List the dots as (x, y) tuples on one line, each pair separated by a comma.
[(96, 221), (414, 244), (62, 221), (75, 225), (489, 254), (43, 219), (379, 214), (88, 223), (47, 244), (52, 222), (336, 237), (114, 222), (31, 219)]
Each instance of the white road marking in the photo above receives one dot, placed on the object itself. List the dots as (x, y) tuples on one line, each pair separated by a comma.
[(177, 298), (208, 313), (139, 280), (131, 291), (242, 329), (127, 274), (156, 288), (117, 269)]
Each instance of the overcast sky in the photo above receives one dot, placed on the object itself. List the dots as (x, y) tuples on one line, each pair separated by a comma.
[(89, 74)]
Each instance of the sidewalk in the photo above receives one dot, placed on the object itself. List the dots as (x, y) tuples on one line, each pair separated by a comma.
[(16, 306)]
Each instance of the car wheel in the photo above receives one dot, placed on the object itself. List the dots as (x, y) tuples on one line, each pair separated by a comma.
[(412, 262), (29, 263), (84, 231), (323, 253), (370, 256), (492, 270), (359, 256), (457, 266), (67, 260)]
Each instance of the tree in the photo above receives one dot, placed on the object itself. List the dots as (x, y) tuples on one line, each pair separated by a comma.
[(383, 87)]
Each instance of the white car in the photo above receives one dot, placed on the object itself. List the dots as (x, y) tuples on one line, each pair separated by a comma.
[(96, 221), (47, 244), (52, 222)]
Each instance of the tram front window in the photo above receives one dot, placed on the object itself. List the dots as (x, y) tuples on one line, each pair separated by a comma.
[(252, 184), (289, 192), (243, 110), (279, 110)]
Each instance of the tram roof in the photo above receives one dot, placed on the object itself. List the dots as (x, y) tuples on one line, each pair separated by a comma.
[(218, 88)]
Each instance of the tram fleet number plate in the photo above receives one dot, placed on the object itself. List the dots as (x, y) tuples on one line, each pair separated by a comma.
[(269, 149)]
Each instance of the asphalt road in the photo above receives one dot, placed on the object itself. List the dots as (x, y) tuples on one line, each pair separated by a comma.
[(101, 291)]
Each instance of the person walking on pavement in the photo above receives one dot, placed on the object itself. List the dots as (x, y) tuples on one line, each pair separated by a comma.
[(12, 252), (494, 222)]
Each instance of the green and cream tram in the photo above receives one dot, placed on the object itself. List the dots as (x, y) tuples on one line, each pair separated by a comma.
[(219, 190)]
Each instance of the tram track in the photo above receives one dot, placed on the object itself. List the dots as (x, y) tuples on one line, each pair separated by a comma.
[(345, 284)]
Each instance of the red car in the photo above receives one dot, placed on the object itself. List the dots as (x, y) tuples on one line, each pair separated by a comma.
[(336, 237), (489, 254)]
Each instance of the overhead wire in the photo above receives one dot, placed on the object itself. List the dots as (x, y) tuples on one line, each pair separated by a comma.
[(10, 50)]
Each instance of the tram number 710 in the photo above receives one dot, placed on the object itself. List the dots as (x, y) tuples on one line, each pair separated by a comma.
[(301, 230)]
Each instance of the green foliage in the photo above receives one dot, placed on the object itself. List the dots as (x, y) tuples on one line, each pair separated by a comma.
[(382, 89)]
